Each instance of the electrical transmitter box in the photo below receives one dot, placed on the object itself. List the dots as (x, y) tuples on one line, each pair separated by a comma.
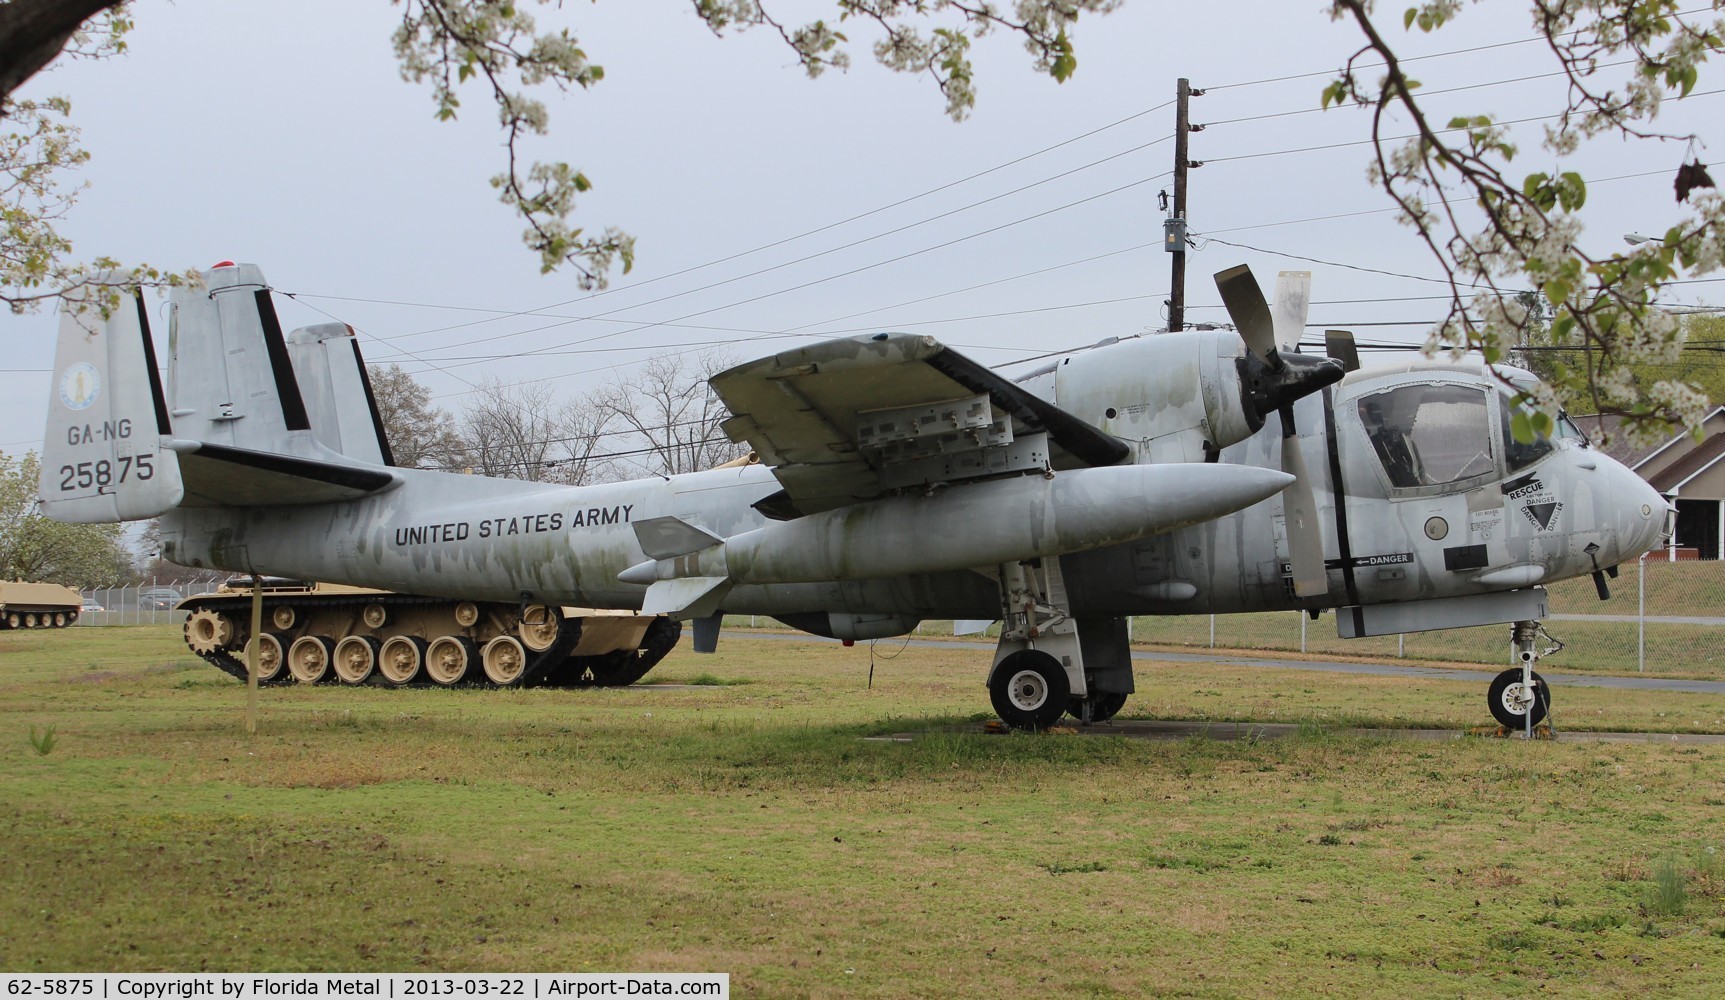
[(1174, 234)]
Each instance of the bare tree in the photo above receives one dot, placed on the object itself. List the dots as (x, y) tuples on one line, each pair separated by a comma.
[(674, 414), (421, 436), (522, 432)]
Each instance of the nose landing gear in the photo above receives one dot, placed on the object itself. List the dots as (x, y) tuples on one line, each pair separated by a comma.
[(1519, 698)]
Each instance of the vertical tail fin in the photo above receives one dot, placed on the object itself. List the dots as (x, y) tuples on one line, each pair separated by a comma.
[(106, 457), (232, 380), (337, 392)]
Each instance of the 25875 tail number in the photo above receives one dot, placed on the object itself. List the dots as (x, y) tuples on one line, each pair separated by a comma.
[(105, 473)]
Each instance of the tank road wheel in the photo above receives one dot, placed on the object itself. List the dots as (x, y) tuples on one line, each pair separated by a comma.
[(401, 661), (467, 614), (375, 616), (356, 658), (29, 619), (449, 659), (539, 637), (59, 619), (14, 620), (283, 617), (505, 661), (1029, 690), (1510, 700), (1103, 706), (308, 659), (270, 658), (206, 631)]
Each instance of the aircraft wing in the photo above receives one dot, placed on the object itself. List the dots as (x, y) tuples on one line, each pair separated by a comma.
[(849, 420)]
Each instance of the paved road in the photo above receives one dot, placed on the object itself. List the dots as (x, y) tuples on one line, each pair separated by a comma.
[(1164, 730), (1632, 619), (1481, 676)]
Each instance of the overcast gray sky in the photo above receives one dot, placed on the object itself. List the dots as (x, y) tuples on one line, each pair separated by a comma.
[(281, 133)]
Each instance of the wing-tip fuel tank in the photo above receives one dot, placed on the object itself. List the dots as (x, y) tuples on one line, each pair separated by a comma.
[(983, 524)]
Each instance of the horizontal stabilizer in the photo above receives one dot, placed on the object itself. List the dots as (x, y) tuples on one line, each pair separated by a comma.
[(688, 597), (219, 476), (670, 537)]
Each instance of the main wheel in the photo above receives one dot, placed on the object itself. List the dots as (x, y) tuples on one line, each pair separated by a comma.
[(356, 658), (1103, 705), (449, 659), (1510, 700), (1029, 690), (401, 661), (308, 659)]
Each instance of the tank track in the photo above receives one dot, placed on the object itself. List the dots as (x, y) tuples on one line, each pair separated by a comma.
[(621, 668), (551, 667)]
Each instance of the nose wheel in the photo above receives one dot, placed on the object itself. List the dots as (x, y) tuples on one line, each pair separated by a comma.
[(1511, 700)]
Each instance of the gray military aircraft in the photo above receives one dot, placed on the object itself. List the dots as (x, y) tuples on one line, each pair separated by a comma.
[(897, 481)]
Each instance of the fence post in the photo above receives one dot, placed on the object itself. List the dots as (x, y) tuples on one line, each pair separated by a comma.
[(1641, 614), (1302, 615), (1212, 631), (1401, 645)]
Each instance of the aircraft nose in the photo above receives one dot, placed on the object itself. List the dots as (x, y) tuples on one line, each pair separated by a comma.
[(1649, 516)]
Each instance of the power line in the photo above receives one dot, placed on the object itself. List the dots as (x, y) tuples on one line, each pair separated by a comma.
[(845, 274), (1422, 94), (1413, 59), (832, 225), (800, 260)]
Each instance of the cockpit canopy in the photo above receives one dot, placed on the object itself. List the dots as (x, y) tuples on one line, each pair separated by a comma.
[(1440, 433)]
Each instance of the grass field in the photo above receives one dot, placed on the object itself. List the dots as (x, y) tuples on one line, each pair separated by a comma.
[(743, 824)]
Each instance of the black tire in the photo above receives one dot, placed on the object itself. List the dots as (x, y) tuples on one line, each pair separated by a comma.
[(1500, 697), (1104, 705), (1029, 690)]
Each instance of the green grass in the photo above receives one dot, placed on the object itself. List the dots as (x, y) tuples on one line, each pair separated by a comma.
[(752, 829)]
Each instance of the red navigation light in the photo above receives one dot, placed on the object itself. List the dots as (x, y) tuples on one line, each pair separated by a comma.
[(223, 263)]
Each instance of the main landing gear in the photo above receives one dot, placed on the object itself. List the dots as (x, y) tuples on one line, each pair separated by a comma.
[(1050, 663), (1519, 698)]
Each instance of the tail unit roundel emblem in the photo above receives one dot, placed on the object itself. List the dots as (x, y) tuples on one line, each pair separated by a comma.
[(80, 386)]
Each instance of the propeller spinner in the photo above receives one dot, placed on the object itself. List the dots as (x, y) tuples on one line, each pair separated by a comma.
[(1272, 380)]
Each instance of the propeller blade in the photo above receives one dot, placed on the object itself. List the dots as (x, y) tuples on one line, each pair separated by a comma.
[(1251, 314), (1339, 344), (1300, 515), (1288, 318)]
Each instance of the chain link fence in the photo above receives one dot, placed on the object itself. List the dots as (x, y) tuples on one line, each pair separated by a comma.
[(1663, 618), (149, 603)]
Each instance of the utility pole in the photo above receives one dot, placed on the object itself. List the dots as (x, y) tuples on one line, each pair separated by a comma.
[(1174, 227)]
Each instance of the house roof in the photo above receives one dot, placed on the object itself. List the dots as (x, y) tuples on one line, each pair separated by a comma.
[(1689, 466), (1623, 446)]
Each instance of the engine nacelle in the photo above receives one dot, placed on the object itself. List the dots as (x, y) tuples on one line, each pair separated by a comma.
[(1179, 397)]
